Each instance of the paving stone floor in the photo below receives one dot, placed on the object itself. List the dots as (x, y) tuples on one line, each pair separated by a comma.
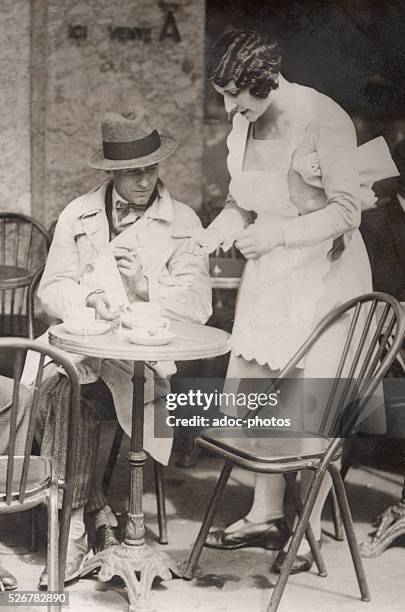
[(232, 580)]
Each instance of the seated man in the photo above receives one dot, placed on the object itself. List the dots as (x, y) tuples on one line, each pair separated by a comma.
[(131, 216)]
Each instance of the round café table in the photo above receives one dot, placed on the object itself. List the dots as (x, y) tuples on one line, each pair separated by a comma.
[(137, 563)]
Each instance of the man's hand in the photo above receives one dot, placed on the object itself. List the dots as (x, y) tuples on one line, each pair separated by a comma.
[(201, 241), (128, 263), (258, 239), (130, 266), (101, 304)]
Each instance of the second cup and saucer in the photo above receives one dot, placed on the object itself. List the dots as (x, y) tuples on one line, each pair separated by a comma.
[(147, 325)]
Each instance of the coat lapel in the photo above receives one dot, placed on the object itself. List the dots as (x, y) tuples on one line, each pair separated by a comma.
[(92, 219)]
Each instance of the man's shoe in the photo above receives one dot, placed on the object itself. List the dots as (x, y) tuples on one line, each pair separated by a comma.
[(102, 528), (104, 538), (271, 535), (302, 563), (77, 556), (8, 582)]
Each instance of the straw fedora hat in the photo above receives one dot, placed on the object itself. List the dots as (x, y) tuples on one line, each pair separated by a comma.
[(130, 140)]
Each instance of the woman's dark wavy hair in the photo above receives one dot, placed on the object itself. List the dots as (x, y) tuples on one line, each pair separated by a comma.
[(249, 58)]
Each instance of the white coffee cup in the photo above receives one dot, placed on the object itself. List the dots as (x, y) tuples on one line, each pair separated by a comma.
[(146, 318), (79, 316)]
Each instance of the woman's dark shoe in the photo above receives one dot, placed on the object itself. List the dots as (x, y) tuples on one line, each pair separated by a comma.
[(302, 563), (271, 535), (8, 582)]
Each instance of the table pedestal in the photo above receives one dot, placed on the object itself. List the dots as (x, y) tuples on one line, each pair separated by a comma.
[(138, 566), (390, 524), (134, 561)]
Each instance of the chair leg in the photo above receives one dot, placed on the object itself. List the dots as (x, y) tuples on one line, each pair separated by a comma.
[(316, 552), (349, 528), (33, 545), (64, 527), (161, 502), (191, 564), (112, 458), (53, 544), (298, 534), (336, 516)]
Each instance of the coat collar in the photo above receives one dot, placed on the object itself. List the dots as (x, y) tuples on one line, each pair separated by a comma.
[(92, 221), (94, 202)]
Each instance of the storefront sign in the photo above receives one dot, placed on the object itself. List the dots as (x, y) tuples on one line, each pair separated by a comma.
[(124, 34)]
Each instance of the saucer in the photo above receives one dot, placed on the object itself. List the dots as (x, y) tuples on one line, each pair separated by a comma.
[(126, 321), (95, 329), (146, 339)]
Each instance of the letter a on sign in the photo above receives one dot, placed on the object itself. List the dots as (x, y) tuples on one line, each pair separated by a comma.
[(170, 29)]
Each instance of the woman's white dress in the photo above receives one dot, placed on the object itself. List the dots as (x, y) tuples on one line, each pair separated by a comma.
[(286, 291)]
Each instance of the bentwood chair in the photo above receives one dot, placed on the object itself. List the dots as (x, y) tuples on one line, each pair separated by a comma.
[(24, 245), (27, 481), (370, 347)]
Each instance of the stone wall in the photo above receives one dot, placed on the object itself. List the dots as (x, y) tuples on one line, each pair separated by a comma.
[(116, 67), (15, 175)]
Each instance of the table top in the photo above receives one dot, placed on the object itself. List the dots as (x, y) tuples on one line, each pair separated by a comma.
[(192, 341), (12, 277)]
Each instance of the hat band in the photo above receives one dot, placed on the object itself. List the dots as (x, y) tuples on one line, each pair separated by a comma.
[(133, 148)]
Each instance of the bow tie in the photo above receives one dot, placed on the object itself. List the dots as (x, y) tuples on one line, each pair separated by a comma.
[(125, 207)]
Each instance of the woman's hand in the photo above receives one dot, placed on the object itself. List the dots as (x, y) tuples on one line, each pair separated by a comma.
[(258, 239), (202, 241)]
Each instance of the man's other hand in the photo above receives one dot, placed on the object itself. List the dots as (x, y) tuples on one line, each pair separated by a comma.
[(101, 304)]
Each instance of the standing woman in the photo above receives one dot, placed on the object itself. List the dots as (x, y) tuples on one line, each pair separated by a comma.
[(293, 162)]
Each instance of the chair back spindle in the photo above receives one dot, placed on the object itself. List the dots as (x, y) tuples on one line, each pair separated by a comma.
[(15, 407)]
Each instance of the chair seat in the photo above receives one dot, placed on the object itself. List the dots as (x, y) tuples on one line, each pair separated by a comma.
[(14, 277), (271, 451), (39, 476)]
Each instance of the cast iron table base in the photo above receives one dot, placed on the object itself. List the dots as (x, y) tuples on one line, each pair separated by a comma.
[(137, 566), (134, 561)]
